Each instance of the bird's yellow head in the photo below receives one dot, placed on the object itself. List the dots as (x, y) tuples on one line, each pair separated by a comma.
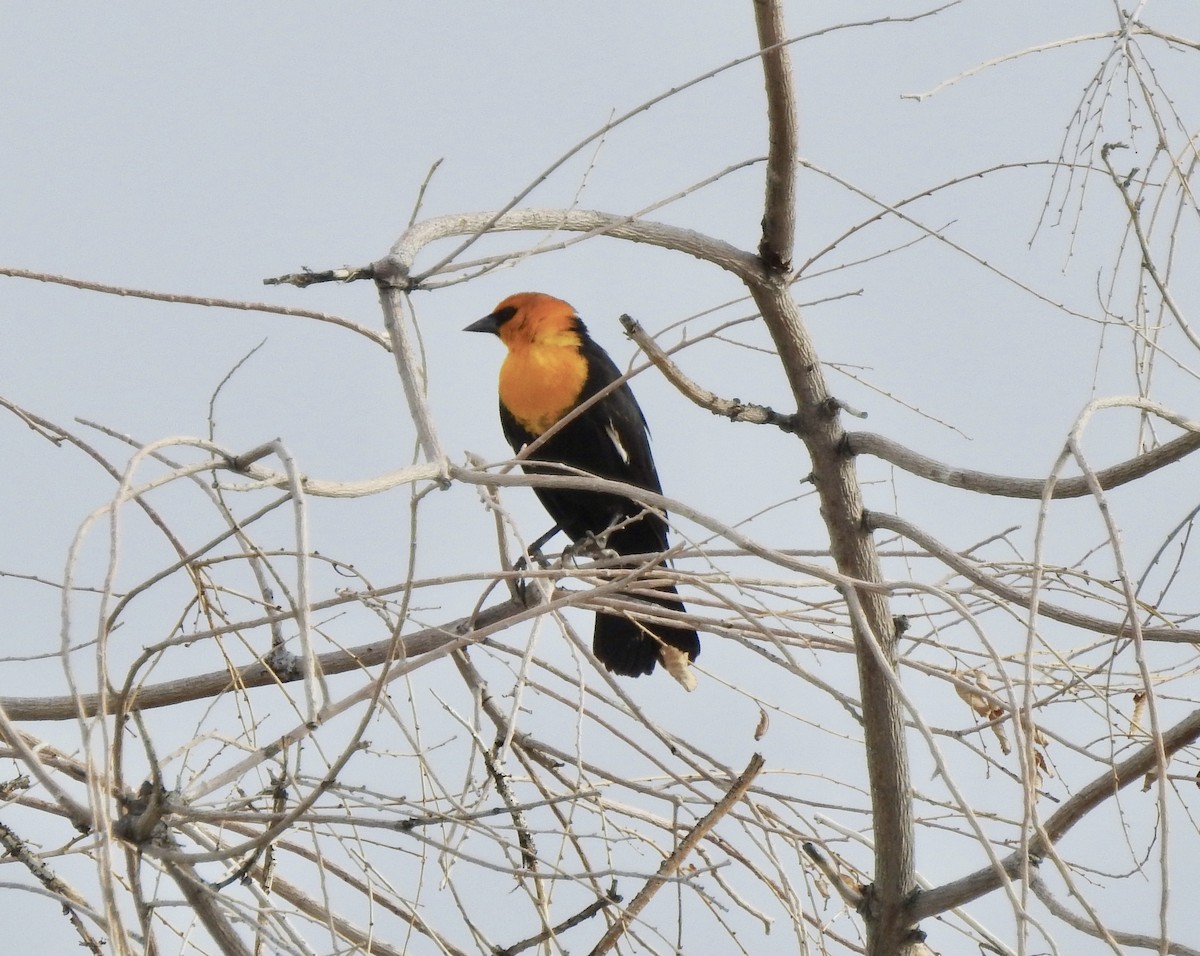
[(545, 370), (530, 319)]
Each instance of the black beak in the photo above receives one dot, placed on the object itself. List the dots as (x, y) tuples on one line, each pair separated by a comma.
[(487, 324)]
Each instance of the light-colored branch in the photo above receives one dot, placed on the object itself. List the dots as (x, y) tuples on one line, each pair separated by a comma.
[(1005, 58), (366, 942), (849, 894), (879, 521), (779, 216), (204, 901), (1101, 788), (259, 674), (76, 812), (1042, 892), (412, 371), (730, 408), (868, 443), (396, 268), (1148, 266), (353, 880), (207, 301), (672, 863), (766, 50), (433, 639)]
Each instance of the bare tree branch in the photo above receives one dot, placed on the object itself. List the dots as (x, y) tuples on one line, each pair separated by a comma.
[(395, 270), (880, 521), (204, 900), (779, 216), (73, 903), (1104, 786), (730, 408), (261, 674), (211, 302), (1084, 925), (671, 864), (868, 443)]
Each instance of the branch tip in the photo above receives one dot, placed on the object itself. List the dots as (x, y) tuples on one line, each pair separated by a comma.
[(306, 276)]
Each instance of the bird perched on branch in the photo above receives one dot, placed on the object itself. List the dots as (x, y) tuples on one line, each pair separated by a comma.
[(553, 366)]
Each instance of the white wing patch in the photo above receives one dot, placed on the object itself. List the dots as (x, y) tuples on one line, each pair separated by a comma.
[(613, 434)]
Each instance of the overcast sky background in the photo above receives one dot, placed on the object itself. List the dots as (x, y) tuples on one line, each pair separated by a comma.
[(198, 149)]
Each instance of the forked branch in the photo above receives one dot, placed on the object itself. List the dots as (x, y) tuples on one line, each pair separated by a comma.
[(1104, 786)]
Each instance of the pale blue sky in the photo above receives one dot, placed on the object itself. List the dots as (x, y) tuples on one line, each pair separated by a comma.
[(198, 149)]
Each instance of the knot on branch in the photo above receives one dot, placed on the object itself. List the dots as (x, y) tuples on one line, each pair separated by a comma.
[(240, 464), (868, 903), (284, 664), (142, 818), (772, 262), (391, 273)]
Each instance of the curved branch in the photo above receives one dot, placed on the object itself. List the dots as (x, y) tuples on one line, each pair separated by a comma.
[(938, 900), (767, 48), (1042, 892), (396, 268), (879, 521), (869, 443)]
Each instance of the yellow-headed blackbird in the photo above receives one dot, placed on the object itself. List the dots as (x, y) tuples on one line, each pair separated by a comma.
[(553, 366)]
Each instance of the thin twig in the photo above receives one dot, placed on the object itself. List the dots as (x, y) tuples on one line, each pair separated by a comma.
[(730, 408), (672, 863), (211, 302), (877, 520), (553, 932)]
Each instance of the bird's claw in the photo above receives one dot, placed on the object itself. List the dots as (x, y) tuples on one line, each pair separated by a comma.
[(589, 546)]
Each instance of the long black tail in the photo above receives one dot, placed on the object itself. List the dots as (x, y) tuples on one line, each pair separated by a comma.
[(630, 648)]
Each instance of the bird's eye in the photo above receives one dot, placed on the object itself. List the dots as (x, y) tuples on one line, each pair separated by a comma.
[(503, 315)]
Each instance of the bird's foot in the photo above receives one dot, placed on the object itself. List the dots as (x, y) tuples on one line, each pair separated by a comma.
[(530, 559), (593, 546)]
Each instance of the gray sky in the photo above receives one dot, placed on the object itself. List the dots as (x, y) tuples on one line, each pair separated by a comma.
[(198, 149)]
